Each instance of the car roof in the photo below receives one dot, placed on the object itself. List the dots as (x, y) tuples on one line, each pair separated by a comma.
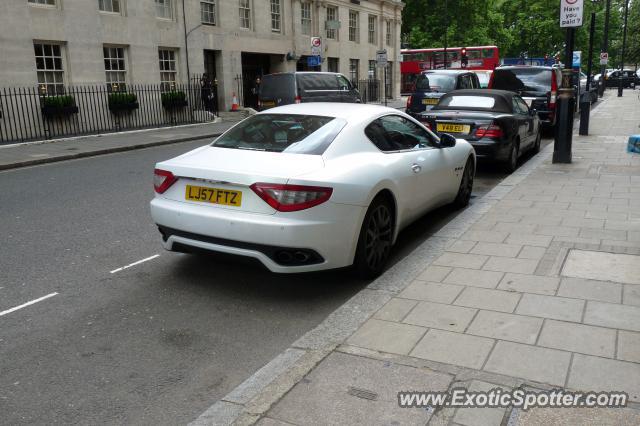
[(303, 72), (454, 72), (503, 96), (349, 111), (526, 67)]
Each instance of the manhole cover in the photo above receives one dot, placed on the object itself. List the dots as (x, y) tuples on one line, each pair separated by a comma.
[(597, 265)]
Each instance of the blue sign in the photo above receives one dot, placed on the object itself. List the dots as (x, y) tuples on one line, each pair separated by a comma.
[(577, 56), (314, 61)]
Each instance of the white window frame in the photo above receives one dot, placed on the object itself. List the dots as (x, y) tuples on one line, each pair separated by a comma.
[(371, 20), (389, 34), (45, 3), (332, 34), (212, 13), (168, 64), (276, 16), (110, 6), (164, 9), (116, 78), (244, 12), (354, 17), (50, 73), (306, 15), (352, 70)]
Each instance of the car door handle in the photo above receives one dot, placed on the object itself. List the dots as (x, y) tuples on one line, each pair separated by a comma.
[(416, 168)]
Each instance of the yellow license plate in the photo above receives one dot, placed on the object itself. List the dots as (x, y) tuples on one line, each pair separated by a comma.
[(268, 103), (453, 128), (205, 194), (429, 101)]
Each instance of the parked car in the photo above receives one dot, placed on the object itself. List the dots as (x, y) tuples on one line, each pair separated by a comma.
[(298, 87), (483, 77), (497, 123), (430, 85), (537, 85), (310, 187), (629, 79)]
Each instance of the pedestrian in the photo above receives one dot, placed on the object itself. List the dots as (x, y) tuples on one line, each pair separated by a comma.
[(206, 92), (256, 91)]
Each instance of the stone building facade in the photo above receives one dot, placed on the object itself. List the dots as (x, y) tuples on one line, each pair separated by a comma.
[(72, 42)]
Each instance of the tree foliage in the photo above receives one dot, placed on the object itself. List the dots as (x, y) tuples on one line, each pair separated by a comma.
[(519, 28)]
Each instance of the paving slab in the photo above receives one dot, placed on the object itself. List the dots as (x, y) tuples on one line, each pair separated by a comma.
[(621, 268), (461, 260), (590, 373), (628, 346), (496, 249), (443, 317), (453, 348), (529, 283), (395, 309), (516, 328), (507, 264), (475, 278), (483, 298), (577, 416), (631, 295), (603, 291), (480, 416), (387, 336), (580, 338), (529, 362), (347, 389), (432, 292), (612, 315), (560, 308), (434, 273)]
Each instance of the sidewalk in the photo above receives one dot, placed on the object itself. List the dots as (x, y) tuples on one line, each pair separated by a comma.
[(537, 284), (27, 154)]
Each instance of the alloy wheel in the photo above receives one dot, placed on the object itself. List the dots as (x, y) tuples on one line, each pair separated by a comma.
[(378, 237)]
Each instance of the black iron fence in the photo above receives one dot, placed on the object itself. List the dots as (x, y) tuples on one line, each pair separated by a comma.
[(370, 90), (29, 114)]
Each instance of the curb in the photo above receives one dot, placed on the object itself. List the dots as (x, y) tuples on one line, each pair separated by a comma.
[(95, 153), (250, 400)]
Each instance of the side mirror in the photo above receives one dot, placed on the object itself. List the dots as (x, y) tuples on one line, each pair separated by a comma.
[(533, 111), (447, 141)]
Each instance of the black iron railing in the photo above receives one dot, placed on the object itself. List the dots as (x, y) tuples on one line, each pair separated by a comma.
[(370, 90), (30, 114)]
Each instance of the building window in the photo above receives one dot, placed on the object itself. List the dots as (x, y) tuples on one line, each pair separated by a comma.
[(49, 2), (332, 22), (353, 70), (372, 29), (208, 12), (115, 68), (388, 35), (49, 67), (168, 69), (372, 70), (109, 5), (333, 64), (164, 9), (275, 16), (245, 14), (305, 18), (353, 26)]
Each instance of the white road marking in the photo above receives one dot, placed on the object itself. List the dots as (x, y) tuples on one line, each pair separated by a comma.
[(134, 264), (24, 305)]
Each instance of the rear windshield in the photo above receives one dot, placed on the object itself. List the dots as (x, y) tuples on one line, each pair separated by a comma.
[(456, 101), (290, 133), (483, 77), (317, 82), (277, 86), (436, 82), (526, 79)]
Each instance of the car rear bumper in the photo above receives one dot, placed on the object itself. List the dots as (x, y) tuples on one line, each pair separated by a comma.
[(488, 149), (328, 237)]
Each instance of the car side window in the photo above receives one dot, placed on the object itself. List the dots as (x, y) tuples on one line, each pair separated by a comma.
[(395, 133), (464, 82), (524, 108), (343, 83)]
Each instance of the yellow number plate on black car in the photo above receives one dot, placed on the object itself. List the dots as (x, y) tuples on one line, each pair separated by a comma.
[(453, 128), (213, 195), (429, 101)]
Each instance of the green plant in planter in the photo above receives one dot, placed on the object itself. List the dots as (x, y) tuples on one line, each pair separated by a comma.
[(123, 102), (58, 106), (173, 100)]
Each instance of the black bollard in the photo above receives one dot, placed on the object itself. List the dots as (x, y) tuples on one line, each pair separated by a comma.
[(585, 109), (564, 120)]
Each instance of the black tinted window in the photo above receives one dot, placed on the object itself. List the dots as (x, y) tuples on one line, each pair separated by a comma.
[(290, 133), (317, 82), (527, 79), (277, 86), (436, 82), (395, 133)]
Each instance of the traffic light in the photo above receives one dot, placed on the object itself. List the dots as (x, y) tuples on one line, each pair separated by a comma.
[(464, 60)]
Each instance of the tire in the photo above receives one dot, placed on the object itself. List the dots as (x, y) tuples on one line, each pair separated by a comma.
[(375, 240), (536, 145), (466, 186), (512, 162)]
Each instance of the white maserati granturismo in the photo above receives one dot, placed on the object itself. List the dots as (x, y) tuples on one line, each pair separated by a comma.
[(311, 186)]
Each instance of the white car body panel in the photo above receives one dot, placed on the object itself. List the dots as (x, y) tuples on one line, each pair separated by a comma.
[(352, 165)]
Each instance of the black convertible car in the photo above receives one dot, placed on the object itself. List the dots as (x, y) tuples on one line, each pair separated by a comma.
[(498, 124)]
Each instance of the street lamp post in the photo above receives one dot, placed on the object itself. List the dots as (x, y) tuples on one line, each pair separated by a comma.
[(605, 47), (624, 42), (446, 30)]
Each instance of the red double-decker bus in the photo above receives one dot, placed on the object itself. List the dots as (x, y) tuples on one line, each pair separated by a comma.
[(414, 61)]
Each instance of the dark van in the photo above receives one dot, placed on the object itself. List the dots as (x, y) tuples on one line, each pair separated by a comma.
[(295, 87), (538, 86), (431, 85)]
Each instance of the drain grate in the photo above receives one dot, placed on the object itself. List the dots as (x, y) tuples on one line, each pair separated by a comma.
[(362, 393)]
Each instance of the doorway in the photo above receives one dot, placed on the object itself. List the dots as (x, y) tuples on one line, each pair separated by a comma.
[(254, 65)]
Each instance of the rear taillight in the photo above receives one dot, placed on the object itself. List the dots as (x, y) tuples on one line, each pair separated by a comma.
[(298, 99), (491, 131), (162, 180), (554, 92), (428, 125), (409, 99), (291, 198)]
